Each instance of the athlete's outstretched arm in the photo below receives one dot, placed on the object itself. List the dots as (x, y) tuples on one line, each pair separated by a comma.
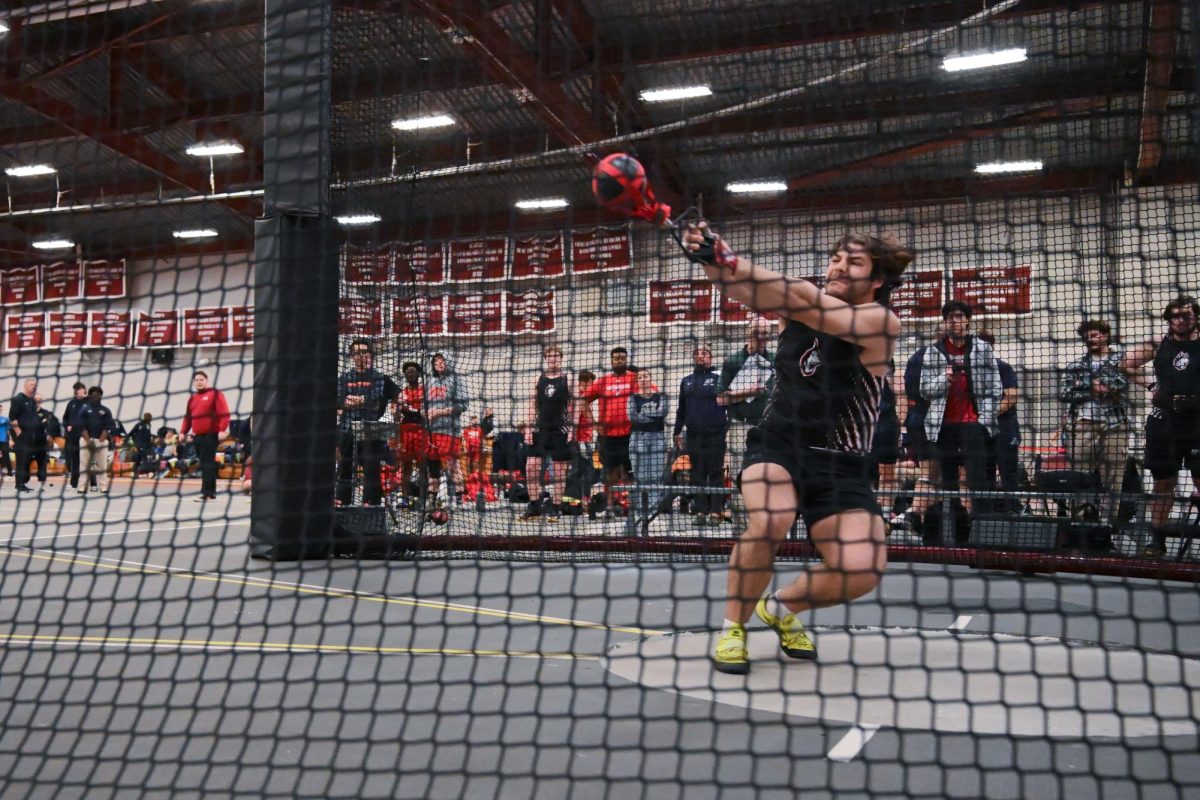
[(794, 298)]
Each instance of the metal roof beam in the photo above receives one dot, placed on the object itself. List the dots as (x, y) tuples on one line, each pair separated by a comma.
[(91, 33), (1162, 38), (127, 145), (821, 27), (498, 54), (971, 133)]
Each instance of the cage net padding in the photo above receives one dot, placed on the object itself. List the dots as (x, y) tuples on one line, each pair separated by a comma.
[(489, 613)]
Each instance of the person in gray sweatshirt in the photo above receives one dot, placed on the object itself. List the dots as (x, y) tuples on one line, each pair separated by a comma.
[(446, 401), (648, 442)]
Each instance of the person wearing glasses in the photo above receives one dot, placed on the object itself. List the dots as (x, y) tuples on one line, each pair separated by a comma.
[(1173, 426)]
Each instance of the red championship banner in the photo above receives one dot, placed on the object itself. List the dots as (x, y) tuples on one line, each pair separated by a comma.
[(19, 286), (61, 281), (478, 260), (539, 257), (362, 265), (731, 312), (110, 329), (205, 326), (679, 302), (360, 317), (420, 262), (413, 316), (25, 331), (919, 295), (67, 328), (103, 279), (241, 325), (600, 249), (993, 290), (468, 314), (158, 328), (529, 312)]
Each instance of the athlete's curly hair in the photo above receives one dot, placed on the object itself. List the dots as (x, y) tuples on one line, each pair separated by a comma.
[(889, 258)]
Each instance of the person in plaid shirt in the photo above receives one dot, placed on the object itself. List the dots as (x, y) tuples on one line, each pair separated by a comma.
[(1094, 387)]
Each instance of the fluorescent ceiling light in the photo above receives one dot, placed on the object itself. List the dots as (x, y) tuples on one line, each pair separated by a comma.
[(997, 167), (755, 187), (195, 233), (216, 149), (674, 93), (53, 244), (420, 123), (542, 204), (29, 170), (983, 60), (3, 27), (358, 219)]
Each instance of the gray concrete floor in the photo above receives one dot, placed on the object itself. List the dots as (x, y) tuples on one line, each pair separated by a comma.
[(143, 654)]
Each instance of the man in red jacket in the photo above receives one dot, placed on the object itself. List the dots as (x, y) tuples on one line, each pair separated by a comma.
[(206, 417), (613, 390)]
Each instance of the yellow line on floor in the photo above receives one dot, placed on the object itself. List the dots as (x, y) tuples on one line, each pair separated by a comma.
[(273, 647), (323, 591)]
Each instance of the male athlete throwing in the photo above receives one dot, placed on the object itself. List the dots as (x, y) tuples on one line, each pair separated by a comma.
[(811, 452)]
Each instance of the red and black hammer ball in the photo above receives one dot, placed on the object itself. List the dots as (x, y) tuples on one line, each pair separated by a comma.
[(619, 183)]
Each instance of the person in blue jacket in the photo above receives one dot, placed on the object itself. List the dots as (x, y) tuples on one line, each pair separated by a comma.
[(706, 422)]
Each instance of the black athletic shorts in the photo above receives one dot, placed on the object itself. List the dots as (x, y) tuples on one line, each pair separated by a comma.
[(1172, 441), (827, 482), (551, 444), (614, 452)]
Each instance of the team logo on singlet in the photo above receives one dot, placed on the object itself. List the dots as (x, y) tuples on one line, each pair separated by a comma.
[(550, 389), (810, 362), (1181, 361)]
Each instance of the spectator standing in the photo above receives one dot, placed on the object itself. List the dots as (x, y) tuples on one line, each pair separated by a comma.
[(23, 419), (142, 436), (5, 451), (745, 384), (1005, 453), (647, 439), (705, 421), (96, 425), (885, 442), (1173, 427), (473, 446), (549, 419), (43, 438), (582, 474), (207, 415), (414, 439), (71, 432), (1094, 389), (446, 400), (364, 395), (905, 526), (613, 391), (960, 381)]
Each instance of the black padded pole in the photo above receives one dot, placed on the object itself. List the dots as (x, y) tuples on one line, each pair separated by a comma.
[(296, 290)]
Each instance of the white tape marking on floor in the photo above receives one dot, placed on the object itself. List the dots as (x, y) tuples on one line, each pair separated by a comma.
[(123, 532), (960, 624), (849, 745)]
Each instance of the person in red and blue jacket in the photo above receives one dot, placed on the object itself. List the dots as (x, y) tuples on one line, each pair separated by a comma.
[(206, 417)]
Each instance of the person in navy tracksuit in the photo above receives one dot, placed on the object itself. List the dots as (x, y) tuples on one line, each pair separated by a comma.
[(706, 422)]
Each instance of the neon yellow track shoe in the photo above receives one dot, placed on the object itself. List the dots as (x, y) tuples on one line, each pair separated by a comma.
[(793, 639), (731, 656)]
